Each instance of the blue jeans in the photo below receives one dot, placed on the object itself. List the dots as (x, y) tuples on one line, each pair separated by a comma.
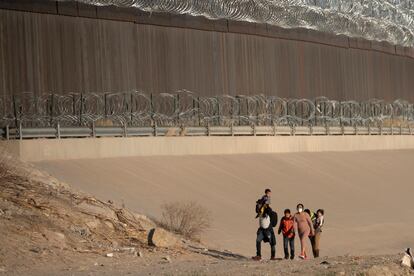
[(289, 242), (261, 236)]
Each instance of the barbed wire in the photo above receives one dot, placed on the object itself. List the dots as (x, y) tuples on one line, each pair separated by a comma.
[(185, 108)]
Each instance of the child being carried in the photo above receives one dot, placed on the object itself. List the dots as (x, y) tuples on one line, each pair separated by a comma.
[(263, 203)]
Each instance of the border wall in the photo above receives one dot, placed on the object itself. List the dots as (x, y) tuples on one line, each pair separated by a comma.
[(67, 47)]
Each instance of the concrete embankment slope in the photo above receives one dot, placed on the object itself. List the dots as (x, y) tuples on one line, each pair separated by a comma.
[(367, 196)]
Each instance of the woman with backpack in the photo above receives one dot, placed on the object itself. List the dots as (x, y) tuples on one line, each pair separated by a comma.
[(303, 225)]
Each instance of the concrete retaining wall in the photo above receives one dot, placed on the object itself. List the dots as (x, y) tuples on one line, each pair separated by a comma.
[(66, 149)]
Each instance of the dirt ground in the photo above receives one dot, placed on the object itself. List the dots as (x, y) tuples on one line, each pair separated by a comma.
[(164, 262)]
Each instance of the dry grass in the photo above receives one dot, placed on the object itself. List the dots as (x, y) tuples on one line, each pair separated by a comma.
[(189, 219)]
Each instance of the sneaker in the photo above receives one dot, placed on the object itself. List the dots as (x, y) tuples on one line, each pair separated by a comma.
[(303, 257), (292, 257), (256, 258), (273, 259), (286, 257)]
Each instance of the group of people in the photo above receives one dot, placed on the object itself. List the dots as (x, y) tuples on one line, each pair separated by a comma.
[(306, 224)]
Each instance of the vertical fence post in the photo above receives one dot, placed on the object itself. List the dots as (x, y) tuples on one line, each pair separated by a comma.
[(218, 111), (239, 103), (93, 129), (193, 112), (178, 109), (301, 114), (125, 129), (58, 130), (152, 109), (232, 112), (81, 109), (271, 114), (15, 111), (155, 129), (106, 105), (198, 111), (287, 109), (52, 104), (131, 100), (74, 105), (20, 131)]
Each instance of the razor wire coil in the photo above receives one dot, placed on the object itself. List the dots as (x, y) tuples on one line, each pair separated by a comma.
[(185, 108)]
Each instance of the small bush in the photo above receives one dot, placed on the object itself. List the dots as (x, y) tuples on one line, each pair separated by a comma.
[(189, 219)]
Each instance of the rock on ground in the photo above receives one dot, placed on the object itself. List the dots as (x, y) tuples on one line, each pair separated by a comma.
[(161, 238)]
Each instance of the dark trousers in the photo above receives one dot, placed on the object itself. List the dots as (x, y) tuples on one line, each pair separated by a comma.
[(315, 244), (289, 242), (272, 241)]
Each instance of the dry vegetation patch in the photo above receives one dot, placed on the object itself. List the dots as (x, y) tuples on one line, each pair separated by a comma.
[(187, 218)]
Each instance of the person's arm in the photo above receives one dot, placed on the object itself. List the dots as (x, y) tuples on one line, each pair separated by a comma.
[(292, 230), (295, 225), (308, 219), (280, 226)]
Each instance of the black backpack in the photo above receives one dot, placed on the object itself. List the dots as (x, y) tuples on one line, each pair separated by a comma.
[(273, 218)]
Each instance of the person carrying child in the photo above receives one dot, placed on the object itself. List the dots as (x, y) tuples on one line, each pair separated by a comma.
[(265, 233), (287, 229)]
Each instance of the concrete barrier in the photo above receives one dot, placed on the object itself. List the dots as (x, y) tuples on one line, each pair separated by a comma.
[(66, 149)]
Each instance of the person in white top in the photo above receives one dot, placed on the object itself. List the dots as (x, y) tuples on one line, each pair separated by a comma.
[(264, 221)]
